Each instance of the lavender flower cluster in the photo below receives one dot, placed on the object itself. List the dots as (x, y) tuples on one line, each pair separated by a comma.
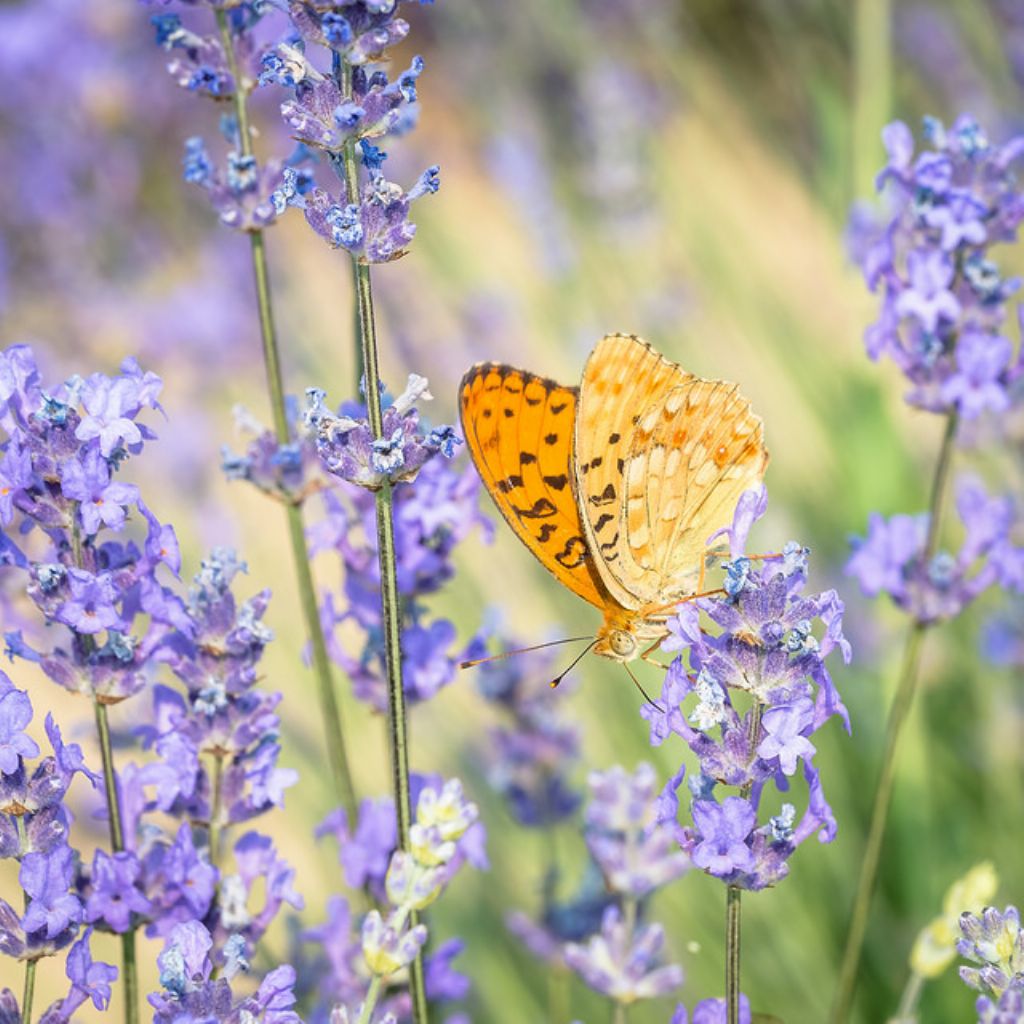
[(347, 107), (34, 830), (764, 655), (943, 297), (942, 321), (435, 508), (213, 738), (601, 934), (892, 558), (994, 942), (116, 615)]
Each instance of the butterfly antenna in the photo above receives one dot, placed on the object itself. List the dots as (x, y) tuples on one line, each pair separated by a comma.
[(523, 650), (575, 661), (636, 682)]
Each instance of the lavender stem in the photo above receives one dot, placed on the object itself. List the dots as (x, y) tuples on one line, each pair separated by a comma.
[(390, 602), (732, 953), (732, 898), (330, 712), (131, 981), (130, 975), (213, 833), (30, 987), (910, 998), (898, 713), (370, 1002), (30, 965), (872, 87)]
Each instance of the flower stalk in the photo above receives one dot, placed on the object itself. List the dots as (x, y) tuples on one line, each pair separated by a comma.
[(344, 789), (131, 980), (898, 713), (29, 993), (391, 604), (732, 952), (130, 972)]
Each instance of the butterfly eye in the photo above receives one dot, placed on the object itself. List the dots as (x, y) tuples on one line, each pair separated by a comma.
[(622, 643)]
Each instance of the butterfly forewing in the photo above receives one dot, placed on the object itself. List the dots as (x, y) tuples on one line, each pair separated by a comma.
[(691, 448), (519, 430), (623, 379)]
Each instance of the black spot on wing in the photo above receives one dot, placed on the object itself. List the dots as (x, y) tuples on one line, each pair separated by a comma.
[(603, 521), (546, 530), (551, 439), (574, 554), (510, 483), (610, 545), (606, 497), (541, 509), (527, 458), (559, 407), (556, 482)]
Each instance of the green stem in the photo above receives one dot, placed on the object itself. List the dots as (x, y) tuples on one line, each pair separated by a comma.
[(131, 981), (901, 705), (217, 801), (872, 88), (30, 988), (911, 996), (370, 1003), (330, 712), (733, 893), (129, 973), (390, 603), (30, 965), (732, 953), (559, 1008), (619, 1013)]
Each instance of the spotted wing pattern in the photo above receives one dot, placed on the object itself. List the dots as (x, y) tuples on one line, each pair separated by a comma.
[(663, 459), (519, 430)]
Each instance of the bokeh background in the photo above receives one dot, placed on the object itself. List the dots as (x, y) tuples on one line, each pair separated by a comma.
[(681, 169)]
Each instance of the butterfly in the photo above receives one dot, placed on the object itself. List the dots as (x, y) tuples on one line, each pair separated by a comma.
[(617, 485)]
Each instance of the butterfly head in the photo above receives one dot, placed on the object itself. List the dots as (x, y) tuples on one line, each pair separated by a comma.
[(617, 643)]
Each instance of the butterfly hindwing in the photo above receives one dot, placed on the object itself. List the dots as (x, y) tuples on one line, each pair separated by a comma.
[(519, 430)]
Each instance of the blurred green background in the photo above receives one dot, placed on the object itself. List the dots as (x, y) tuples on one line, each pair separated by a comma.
[(681, 170)]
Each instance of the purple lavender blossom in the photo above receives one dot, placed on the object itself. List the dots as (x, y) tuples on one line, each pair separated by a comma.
[(62, 450), (766, 650), (943, 298), (348, 450), (323, 118), (634, 853), (359, 31), (994, 941), (114, 896), (15, 714), (889, 560), (623, 965), (376, 229), (714, 1011), (190, 992)]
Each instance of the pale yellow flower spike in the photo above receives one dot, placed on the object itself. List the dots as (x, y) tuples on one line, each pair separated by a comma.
[(935, 947)]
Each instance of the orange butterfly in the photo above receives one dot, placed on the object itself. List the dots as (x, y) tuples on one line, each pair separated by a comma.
[(617, 485)]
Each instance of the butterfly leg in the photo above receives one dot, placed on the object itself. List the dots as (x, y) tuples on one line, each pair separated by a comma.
[(646, 655), (661, 609)]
